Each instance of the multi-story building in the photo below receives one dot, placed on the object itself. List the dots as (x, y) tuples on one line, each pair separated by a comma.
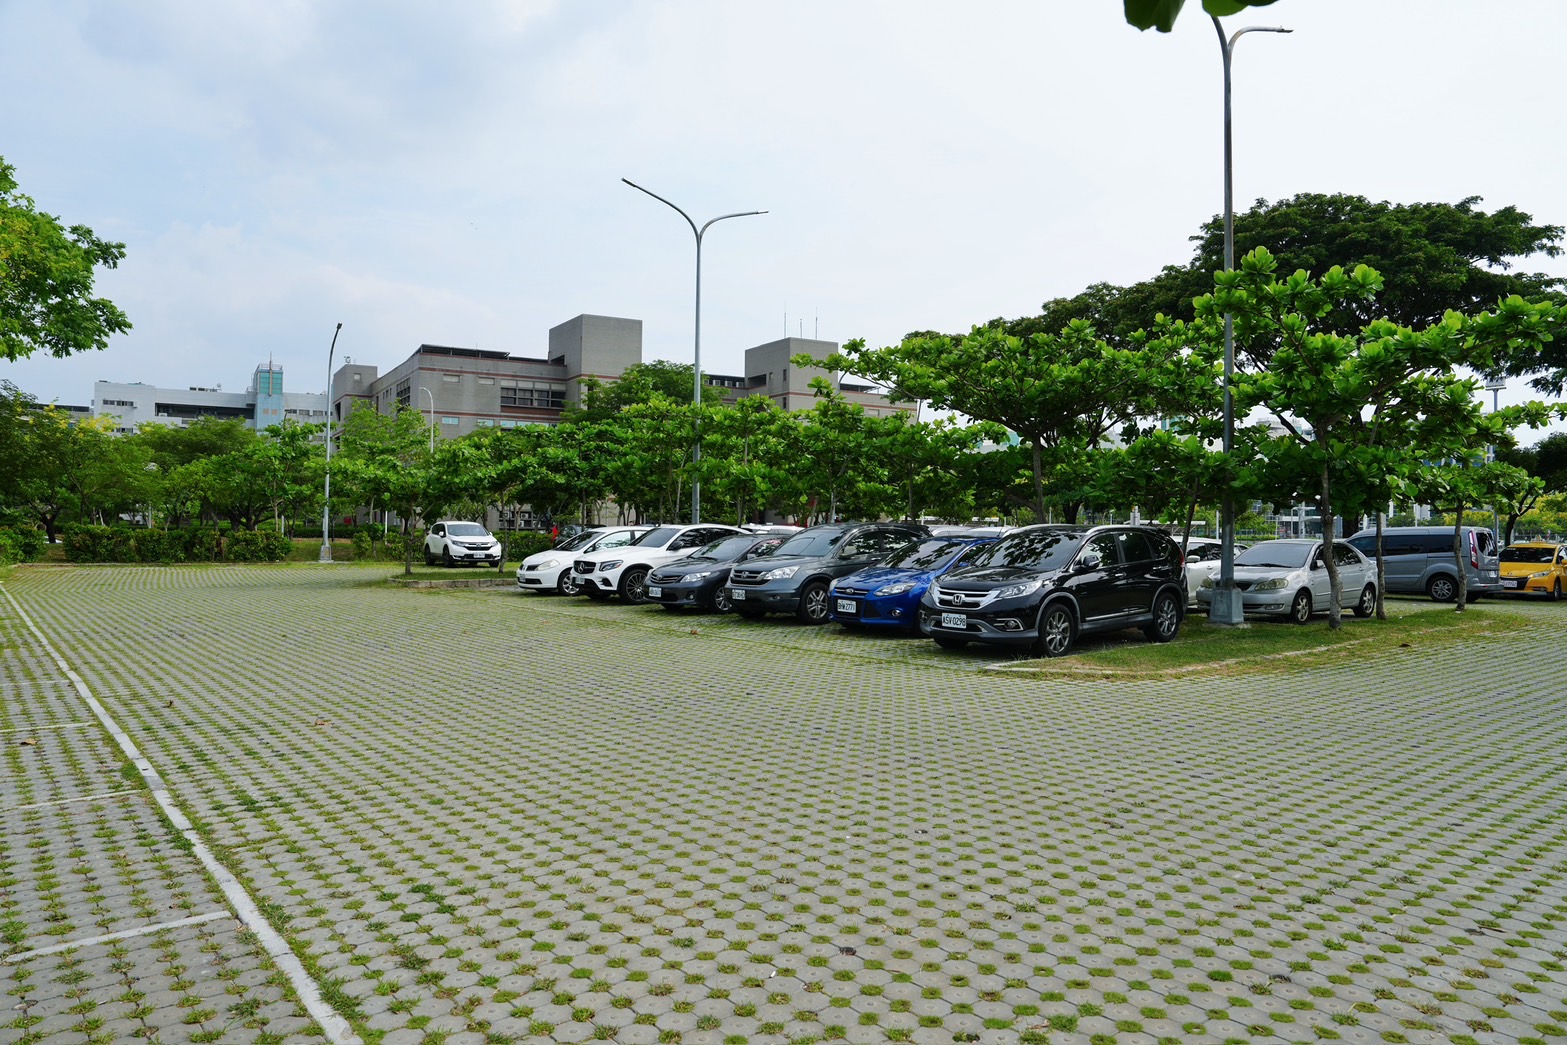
[(263, 404)]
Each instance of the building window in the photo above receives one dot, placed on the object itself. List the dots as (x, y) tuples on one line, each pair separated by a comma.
[(534, 393), (448, 420), (454, 378), (508, 424), (484, 422), (404, 393), (486, 380)]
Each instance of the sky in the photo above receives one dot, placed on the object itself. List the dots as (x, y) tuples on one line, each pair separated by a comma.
[(451, 174)]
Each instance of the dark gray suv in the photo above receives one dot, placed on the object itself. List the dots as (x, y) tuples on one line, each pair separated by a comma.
[(1042, 586), (795, 578)]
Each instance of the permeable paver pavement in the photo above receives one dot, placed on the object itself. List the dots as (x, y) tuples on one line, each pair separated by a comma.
[(478, 816)]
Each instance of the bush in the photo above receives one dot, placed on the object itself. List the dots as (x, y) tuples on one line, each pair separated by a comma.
[(256, 546), (85, 543), (201, 545), (364, 545), (160, 545), (20, 544), (522, 543)]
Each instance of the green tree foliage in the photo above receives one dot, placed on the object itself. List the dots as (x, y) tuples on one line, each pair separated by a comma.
[(1147, 14), (46, 280), (1546, 462), (386, 459)]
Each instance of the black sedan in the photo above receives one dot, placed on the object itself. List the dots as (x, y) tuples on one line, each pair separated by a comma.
[(699, 580)]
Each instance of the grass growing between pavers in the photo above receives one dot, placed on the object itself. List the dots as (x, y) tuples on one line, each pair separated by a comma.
[(1276, 648)]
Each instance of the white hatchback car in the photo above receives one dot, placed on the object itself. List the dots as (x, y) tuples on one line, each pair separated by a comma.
[(452, 543), (551, 570), (1289, 578), (623, 571)]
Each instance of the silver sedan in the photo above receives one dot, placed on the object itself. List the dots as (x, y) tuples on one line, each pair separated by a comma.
[(1289, 578)]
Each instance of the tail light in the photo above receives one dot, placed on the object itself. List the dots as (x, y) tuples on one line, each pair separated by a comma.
[(1474, 550)]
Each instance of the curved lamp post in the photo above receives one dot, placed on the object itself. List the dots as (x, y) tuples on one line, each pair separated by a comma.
[(326, 504), (696, 362), (1226, 607), (431, 394)]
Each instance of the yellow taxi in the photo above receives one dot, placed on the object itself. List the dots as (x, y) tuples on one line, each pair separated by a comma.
[(1535, 568)]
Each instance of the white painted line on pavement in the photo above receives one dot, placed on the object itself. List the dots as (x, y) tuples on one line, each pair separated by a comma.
[(145, 930), (336, 1028), (78, 798)]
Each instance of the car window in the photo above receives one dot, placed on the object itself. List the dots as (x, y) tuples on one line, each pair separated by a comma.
[(616, 540), (1135, 547), (1104, 545), (725, 548), (437, 530), (657, 537), (466, 529), (767, 547), (1344, 555), (1038, 549), (811, 543), (1486, 545), (689, 539), (1544, 555), (576, 540), (1367, 545)]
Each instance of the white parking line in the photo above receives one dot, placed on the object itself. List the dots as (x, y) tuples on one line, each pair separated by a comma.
[(145, 930), (64, 801), (335, 1027)]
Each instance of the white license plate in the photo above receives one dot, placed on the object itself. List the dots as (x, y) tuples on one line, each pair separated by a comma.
[(655, 593), (1518, 584), (955, 620), (846, 606), (736, 595)]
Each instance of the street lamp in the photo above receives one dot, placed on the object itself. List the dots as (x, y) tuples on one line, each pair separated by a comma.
[(326, 504), (1494, 385), (1226, 608), (696, 361), (431, 394)]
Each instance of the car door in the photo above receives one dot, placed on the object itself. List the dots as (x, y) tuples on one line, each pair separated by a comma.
[(1352, 572), (1093, 582), (1317, 579), (1135, 578)]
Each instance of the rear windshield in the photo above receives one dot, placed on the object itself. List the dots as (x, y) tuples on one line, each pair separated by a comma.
[(1276, 553), (1545, 555), (466, 530), (657, 537), (925, 555), (811, 544), (1039, 549)]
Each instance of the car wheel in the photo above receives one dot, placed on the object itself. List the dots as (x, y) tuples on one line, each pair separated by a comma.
[(1166, 623), (429, 557), (1300, 609), (949, 642), (633, 585), (1473, 596), (813, 604), (1556, 590), (722, 603), (594, 592), (566, 584), (1368, 601), (1057, 629), (1442, 588), (446, 557)]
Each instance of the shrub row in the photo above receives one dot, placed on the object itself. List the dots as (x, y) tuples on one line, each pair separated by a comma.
[(123, 544), (20, 545)]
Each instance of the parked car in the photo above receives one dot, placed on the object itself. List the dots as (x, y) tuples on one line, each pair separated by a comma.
[(623, 571), (1289, 578), (1535, 568), (1419, 559), (1202, 561), (795, 578), (551, 570), (1043, 586), (452, 543), (888, 595), (700, 581)]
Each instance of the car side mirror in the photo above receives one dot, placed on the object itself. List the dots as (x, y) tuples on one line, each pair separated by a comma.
[(1089, 561), (1194, 557)]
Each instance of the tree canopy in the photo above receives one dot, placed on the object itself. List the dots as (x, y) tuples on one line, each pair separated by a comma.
[(1148, 14), (46, 281)]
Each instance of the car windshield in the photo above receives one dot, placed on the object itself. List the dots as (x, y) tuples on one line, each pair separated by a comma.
[(613, 539), (657, 537), (466, 530), (1038, 549), (725, 548), (1276, 553), (812, 544), (924, 555), (1545, 555), (577, 540)]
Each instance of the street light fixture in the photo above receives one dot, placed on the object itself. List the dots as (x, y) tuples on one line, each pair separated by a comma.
[(326, 503), (696, 361), (431, 394), (1226, 608)]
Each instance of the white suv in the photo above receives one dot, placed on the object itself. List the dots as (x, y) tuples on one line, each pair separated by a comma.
[(608, 571), (551, 570), (455, 542)]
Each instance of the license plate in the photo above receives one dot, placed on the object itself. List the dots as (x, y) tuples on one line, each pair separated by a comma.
[(955, 620), (1518, 584), (846, 606), (736, 595), (655, 593)]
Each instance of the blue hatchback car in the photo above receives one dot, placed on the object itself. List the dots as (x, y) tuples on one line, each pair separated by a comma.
[(888, 595)]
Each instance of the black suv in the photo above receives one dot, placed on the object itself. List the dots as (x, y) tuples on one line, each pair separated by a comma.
[(1042, 586), (795, 577)]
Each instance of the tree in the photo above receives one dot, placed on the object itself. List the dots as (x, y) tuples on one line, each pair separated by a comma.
[(46, 281), (1145, 14), (1545, 461), (386, 458), (745, 464)]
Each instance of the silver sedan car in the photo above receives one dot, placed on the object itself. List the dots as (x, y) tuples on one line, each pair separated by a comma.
[(1289, 578)]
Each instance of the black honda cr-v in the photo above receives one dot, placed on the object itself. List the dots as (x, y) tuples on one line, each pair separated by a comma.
[(1042, 586)]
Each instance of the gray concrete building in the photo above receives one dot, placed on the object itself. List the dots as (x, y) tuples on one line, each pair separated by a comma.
[(262, 404)]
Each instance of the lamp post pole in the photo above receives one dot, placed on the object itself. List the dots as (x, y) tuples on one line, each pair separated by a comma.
[(1494, 386), (326, 503), (431, 394), (1226, 608), (696, 360)]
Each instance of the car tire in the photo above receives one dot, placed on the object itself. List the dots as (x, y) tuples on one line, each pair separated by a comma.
[(1556, 591), (949, 641), (1367, 605), (429, 557), (1442, 588), (633, 585), (1300, 607), (1166, 623), (813, 604), (1057, 630), (722, 603), (446, 556), (594, 592), (1473, 596), (566, 584)]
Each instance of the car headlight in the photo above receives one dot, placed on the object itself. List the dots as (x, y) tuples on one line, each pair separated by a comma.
[(1271, 584), (780, 573), (1542, 573), (699, 576), (1014, 591), (896, 589), (612, 564), (548, 564)]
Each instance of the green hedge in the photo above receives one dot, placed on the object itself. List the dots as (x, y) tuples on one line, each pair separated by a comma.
[(20, 545), (522, 543), (124, 544)]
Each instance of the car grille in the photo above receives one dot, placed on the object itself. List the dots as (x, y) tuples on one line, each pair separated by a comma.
[(845, 590), (745, 576), (948, 599), (663, 578), (583, 566)]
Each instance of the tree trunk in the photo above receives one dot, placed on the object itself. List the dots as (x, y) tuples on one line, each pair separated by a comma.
[(1191, 513), (1458, 558), (1381, 572), (1039, 481), (1335, 585)]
